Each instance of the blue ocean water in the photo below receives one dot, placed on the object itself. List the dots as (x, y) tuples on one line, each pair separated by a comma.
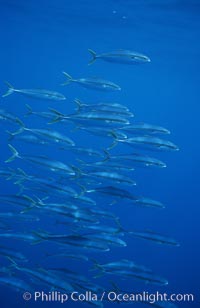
[(39, 40)]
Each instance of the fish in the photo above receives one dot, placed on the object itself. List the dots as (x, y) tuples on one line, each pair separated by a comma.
[(18, 200), (74, 196), (121, 193), (135, 159), (94, 122), (123, 264), (45, 277), (43, 161), (28, 138), (69, 274), (104, 229), (146, 277), (7, 116), (145, 128), (104, 131), (87, 151), (35, 93), (155, 237), (46, 134), (149, 202), (115, 192), (120, 56), (92, 118), (20, 236), (52, 186), (113, 108), (77, 215), (109, 239), (110, 176), (72, 240), (149, 142), (93, 83), (41, 114)]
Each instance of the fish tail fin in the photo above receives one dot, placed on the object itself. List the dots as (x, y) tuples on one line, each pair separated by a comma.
[(29, 110), (13, 263), (96, 265), (20, 122), (78, 172), (31, 200), (83, 190), (115, 142), (10, 89), (115, 287), (21, 188), (94, 56), (79, 104), (22, 172), (69, 79), (107, 155), (59, 116), (112, 145), (39, 237), (14, 152), (19, 131), (120, 228), (10, 135)]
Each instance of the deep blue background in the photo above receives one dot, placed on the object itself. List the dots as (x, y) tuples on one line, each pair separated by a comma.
[(40, 39)]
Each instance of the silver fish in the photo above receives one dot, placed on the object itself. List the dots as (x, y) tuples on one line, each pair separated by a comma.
[(45, 277), (155, 237), (113, 108), (47, 134), (112, 176), (120, 265), (145, 128), (93, 83), (150, 143), (6, 116), (149, 202), (35, 93), (120, 56), (135, 159), (72, 240), (43, 161)]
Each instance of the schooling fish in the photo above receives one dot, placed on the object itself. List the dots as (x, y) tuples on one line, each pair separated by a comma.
[(6, 116), (120, 56), (36, 93), (151, 143), (46, 134), (43, 161), (155, 237), (113, 108), (93, 83), (145, 128), (120, 265)]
